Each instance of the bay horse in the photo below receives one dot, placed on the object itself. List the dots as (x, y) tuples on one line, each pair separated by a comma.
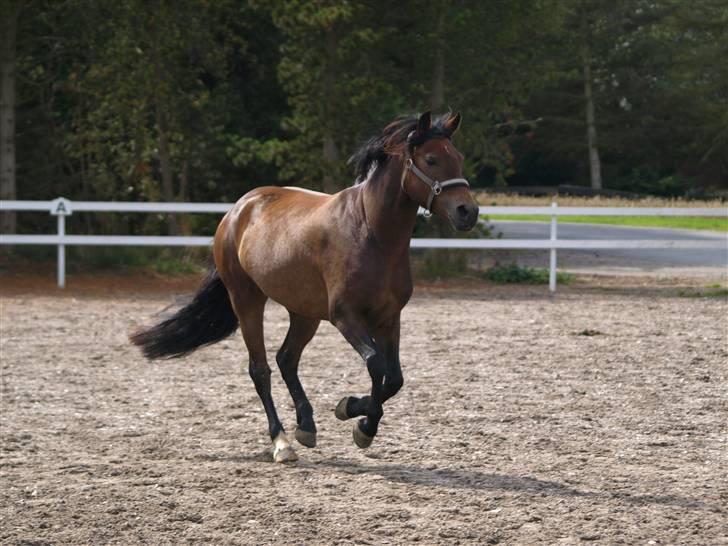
[(342, 258)]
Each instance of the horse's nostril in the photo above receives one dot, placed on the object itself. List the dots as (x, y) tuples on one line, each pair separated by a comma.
[(463, 211)]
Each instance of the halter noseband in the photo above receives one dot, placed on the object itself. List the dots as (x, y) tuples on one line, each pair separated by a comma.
[(436, 187)]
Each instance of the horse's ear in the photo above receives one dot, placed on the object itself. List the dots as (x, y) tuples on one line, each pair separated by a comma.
[(452, 124), (424, 123)]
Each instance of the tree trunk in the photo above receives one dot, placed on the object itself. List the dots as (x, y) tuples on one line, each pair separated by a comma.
[(330, 150), (165, 164), (184, 177), (595, 166), (8, 186), (437, 98), (165, 157)]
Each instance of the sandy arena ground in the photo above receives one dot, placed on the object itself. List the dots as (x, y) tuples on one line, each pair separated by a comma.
[(597, 417)]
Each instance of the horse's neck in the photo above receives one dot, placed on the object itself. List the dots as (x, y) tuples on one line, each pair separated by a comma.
[(390, 213)]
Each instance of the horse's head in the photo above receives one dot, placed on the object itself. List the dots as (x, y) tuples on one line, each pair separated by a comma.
[(433, 172)]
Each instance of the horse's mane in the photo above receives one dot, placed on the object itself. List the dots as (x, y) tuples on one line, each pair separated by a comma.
[(373, 154)]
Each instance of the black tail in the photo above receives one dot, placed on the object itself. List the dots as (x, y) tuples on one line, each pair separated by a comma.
[(206, 319)]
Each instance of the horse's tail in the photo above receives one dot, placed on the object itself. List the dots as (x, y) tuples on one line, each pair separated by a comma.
[(206, 319)]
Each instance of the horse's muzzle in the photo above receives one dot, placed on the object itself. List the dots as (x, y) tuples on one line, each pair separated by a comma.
[(465, 217)]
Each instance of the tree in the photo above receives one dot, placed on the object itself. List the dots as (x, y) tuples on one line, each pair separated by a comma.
[(151, 78), (333, 69), (348, 67), (699, 80), (9, 13), (199, 100), (587, 26), (484, 61), (629, 89)]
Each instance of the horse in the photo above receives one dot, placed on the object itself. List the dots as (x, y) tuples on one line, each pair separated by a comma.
[(341, 257)]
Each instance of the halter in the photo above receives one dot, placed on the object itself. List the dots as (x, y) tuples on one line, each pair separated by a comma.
[(436, 187)]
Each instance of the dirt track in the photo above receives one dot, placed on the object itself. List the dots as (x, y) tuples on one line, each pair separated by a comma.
[(512, 428)]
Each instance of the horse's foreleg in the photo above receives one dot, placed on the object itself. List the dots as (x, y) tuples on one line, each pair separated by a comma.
[(388, 341), (299, 334), (365, 429)]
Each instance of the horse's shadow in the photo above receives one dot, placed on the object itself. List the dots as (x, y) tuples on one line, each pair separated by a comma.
[(473, 480)]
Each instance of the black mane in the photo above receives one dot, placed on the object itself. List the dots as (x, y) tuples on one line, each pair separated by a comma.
[(375, 151)]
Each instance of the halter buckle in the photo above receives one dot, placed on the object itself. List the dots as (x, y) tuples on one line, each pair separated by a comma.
[(436, 188)]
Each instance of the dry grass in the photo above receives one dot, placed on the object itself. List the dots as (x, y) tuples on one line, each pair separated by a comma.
[(505, 199)]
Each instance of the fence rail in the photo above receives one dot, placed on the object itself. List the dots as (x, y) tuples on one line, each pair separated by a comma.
[(63, 207)]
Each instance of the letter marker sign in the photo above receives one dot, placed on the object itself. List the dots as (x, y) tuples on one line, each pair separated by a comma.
[(60, 208)]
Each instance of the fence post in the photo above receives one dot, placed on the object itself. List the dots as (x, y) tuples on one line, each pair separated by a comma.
[(61, 252), (60, 208), (552, 261)]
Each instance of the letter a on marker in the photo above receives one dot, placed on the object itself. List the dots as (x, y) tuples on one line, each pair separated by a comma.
[(61, 207)]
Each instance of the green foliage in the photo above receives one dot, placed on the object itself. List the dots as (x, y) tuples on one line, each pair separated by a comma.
[(661, 105), (516, 274), (175, 267), (173, 261), (642, 180), (711, 292), (131, 259), (203, 101)]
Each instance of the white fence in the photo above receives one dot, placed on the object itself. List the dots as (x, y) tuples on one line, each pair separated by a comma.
[(63, 207)]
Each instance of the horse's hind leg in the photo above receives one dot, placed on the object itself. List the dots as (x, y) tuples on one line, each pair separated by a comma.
[(249, 303), (299, 334)]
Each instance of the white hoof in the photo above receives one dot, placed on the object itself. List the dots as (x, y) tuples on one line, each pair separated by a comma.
[(282, 450)]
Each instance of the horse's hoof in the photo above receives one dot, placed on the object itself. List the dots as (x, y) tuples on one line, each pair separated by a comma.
[(285, 455), (360, 439), (282, 450), (340, 411), (306, 438)]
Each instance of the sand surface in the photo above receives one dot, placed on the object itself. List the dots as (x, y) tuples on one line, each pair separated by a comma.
[(594, 417)]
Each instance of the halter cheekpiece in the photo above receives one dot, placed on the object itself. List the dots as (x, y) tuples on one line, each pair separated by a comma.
[(436, 186)]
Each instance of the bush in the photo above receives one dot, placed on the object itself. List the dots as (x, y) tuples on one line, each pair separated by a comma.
[(436, 263), (516, 274), (167, 261)]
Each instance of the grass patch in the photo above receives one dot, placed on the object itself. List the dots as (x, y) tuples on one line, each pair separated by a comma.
[(123, 260), (514, 200), (516, 274), (175, 266), (165, 261), (710, 293), (679, 222)]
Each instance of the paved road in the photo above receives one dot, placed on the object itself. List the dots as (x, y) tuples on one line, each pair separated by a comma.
[(628, 258)]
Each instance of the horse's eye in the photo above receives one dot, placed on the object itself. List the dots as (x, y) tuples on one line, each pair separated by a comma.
[(430, 159)]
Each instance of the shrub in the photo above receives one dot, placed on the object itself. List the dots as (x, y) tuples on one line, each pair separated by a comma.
[(436, 263), (516, 274)]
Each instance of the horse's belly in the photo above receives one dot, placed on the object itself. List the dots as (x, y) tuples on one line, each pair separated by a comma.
[(304, 295), (288, 278)]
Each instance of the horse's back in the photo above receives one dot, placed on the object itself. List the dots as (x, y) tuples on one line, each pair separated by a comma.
[(288, 200)]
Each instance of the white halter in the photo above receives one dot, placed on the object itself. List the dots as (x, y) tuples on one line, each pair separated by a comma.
[(436, 187)]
